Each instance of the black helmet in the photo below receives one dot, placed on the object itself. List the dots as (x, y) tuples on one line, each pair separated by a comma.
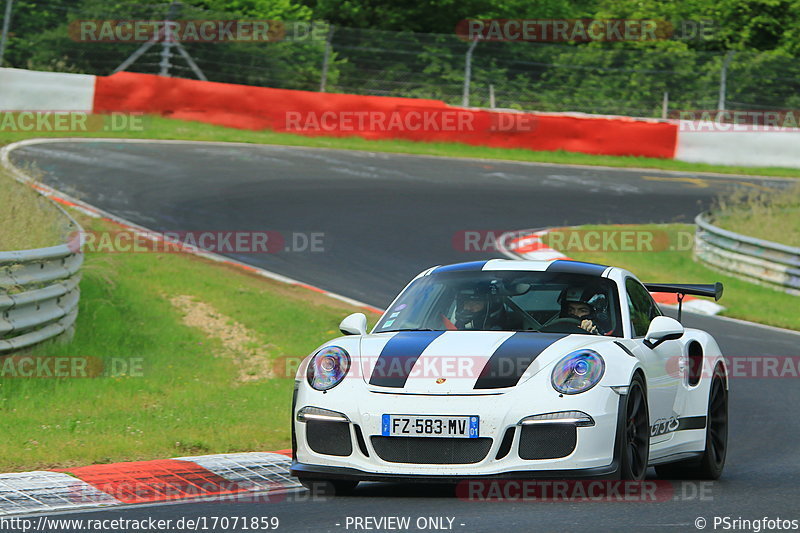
[(590, 296), (488, 295)]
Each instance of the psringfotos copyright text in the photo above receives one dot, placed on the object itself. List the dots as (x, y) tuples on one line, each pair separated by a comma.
[(756, 525)]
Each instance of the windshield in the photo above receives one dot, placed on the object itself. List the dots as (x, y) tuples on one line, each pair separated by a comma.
[(507, 301)]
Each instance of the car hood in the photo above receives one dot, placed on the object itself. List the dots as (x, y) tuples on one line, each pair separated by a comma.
[(461, 362)]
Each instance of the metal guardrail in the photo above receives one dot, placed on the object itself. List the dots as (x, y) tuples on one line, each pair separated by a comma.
[(39, 289), (755, 260), (39, 294)]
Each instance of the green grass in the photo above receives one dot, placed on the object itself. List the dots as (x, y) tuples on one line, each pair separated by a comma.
[(772, 215), (27, 220), (741, 299), (188, 398), (156, 127)]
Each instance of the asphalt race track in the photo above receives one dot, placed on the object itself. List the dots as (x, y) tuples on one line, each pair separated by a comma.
[(384, 218)]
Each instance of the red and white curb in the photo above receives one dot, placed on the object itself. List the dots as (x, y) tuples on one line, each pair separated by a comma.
[(528, 245), (256, 476)]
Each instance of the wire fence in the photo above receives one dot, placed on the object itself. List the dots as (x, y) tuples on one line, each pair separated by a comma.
[(648, 79)]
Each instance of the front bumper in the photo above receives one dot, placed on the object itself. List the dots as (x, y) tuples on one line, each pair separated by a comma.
[(303, 471), (593, 455)]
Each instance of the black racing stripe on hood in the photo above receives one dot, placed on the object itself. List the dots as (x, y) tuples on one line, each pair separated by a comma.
[(398, 356), (513, 357)]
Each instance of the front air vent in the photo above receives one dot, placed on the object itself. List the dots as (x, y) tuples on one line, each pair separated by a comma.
[(505, 445), (547, 441), (329, 438), (431, 450), (362, 444)]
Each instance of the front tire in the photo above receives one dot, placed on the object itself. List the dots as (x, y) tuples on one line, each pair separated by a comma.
[(634, 438), (711, 464)]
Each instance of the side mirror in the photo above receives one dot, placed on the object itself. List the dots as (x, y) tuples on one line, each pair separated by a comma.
[(662, 328), (355, 324)]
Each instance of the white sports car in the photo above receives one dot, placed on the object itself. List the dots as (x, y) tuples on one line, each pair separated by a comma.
[(514, 369)]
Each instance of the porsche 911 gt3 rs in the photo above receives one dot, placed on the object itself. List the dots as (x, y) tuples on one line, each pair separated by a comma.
[(520, 369)]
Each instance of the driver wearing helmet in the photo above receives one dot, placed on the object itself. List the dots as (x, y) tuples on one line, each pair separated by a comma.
[(587, 307), (481, 309)]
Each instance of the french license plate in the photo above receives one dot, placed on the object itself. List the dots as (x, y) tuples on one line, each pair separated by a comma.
[(430, 426)]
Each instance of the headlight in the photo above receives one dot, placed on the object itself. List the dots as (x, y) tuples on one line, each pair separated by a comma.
[(328, 368), (578, 372)]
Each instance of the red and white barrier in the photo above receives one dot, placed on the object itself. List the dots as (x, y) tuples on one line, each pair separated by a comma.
[(373, 117), (28, 90), (338, 115)]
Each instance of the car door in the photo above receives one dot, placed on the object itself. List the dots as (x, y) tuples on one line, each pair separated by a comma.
[(662, 381)]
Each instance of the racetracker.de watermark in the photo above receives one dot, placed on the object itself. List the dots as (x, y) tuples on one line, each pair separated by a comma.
[(569, 240), (408, 120), (775, 120), (583, 30), (445, 369), (178, 486), (194, 31), (190, 31), (70, 121), (441, 370), (70, 367), (740, 366), (534, 491), (215, 241)]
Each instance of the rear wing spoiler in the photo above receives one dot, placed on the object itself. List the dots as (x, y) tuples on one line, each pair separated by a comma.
[(709, 290), (681, 289)]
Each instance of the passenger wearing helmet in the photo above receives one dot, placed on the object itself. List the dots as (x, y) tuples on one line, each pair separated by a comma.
[(586, 306)]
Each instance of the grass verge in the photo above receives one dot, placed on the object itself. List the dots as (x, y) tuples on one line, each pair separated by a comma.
[(156, 127), (27, 219), (741, 299), (196, 351), (772, 215)]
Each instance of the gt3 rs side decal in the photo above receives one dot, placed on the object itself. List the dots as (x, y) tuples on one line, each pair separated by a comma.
[(663, 426), (513, 357), (398, 357)]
